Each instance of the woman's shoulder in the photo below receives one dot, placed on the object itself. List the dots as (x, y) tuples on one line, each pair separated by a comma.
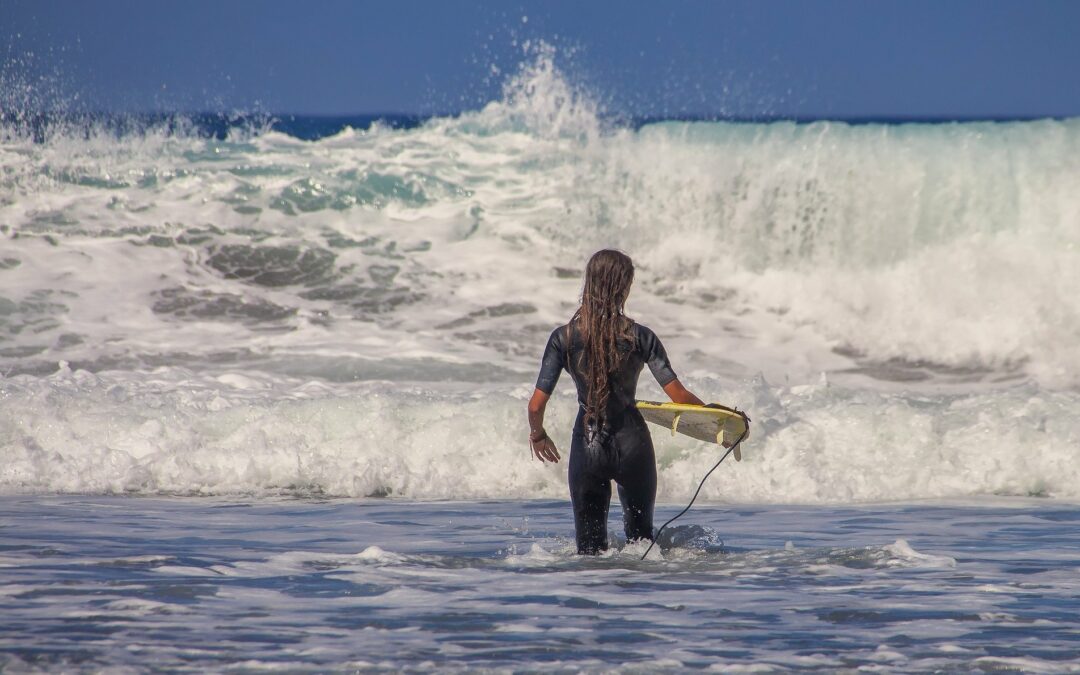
[(647, 340), (643, 331), (559, 335)]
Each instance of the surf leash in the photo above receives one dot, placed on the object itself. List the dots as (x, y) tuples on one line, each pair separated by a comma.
[(746, 430)]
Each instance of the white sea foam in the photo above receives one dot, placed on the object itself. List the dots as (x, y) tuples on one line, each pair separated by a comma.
[(324, 584), (262, 313), (906, 555), (119, 433)]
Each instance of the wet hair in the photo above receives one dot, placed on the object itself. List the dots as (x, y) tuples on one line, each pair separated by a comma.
[(601, 323)]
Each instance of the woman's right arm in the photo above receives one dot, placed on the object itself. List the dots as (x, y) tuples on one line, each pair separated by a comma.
[(550, 368), (543, 448)]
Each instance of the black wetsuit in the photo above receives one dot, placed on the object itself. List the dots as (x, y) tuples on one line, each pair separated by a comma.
[(621, 450)]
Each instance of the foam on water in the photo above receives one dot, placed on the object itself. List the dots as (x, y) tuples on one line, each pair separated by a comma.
[(173, 431), (363, 314), (407, 586)]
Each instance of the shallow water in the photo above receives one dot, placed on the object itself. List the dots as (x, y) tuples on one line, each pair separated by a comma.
[(197, 584), (239, 331)]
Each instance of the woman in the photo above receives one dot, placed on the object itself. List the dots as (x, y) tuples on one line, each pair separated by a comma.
[(604, 352)]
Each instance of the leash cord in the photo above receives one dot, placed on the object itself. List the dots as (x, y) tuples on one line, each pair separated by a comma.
[(746, 421)]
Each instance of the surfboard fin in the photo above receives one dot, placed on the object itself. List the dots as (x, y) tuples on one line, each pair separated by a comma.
[(737, 453), (675, 424)]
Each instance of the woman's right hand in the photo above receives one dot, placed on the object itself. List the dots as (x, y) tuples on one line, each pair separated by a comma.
[(544, 450)]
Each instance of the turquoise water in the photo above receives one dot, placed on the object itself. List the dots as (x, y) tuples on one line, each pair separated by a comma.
[(262, 393)]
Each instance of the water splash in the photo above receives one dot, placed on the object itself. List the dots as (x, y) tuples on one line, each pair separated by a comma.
[(540, 99)]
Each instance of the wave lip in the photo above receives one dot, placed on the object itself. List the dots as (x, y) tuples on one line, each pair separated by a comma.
[(360, 315), (832, 246)]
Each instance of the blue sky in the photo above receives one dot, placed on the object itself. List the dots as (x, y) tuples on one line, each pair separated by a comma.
[(808, 59)]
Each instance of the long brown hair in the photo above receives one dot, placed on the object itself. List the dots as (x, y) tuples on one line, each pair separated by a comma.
[(601, 322)]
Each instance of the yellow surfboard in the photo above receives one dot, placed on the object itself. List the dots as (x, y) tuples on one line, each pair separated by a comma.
[(714, 425)]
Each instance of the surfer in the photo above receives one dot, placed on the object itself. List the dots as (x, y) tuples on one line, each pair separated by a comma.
[(604, 351)]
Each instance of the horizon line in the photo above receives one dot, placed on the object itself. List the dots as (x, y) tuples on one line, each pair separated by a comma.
[(869, 118)]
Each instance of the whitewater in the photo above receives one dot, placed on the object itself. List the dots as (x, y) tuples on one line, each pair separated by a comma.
[(896, 305), (300, 369)]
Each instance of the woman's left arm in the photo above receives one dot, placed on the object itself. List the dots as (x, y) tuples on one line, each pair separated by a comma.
[(680, 394)]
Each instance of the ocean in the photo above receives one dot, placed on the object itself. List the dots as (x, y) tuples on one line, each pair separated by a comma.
[(263, 386)]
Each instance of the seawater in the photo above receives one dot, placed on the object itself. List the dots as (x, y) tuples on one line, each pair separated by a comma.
[(249, 321), (121, 584)]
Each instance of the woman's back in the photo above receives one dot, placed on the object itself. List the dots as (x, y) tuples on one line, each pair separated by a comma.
[(566, 351), (604, 351)]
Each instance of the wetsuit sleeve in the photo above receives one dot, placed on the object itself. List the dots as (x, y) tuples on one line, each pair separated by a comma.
[(652, 350), (552, 364)]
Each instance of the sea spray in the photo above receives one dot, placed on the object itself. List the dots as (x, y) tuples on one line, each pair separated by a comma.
[(363, 314)]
